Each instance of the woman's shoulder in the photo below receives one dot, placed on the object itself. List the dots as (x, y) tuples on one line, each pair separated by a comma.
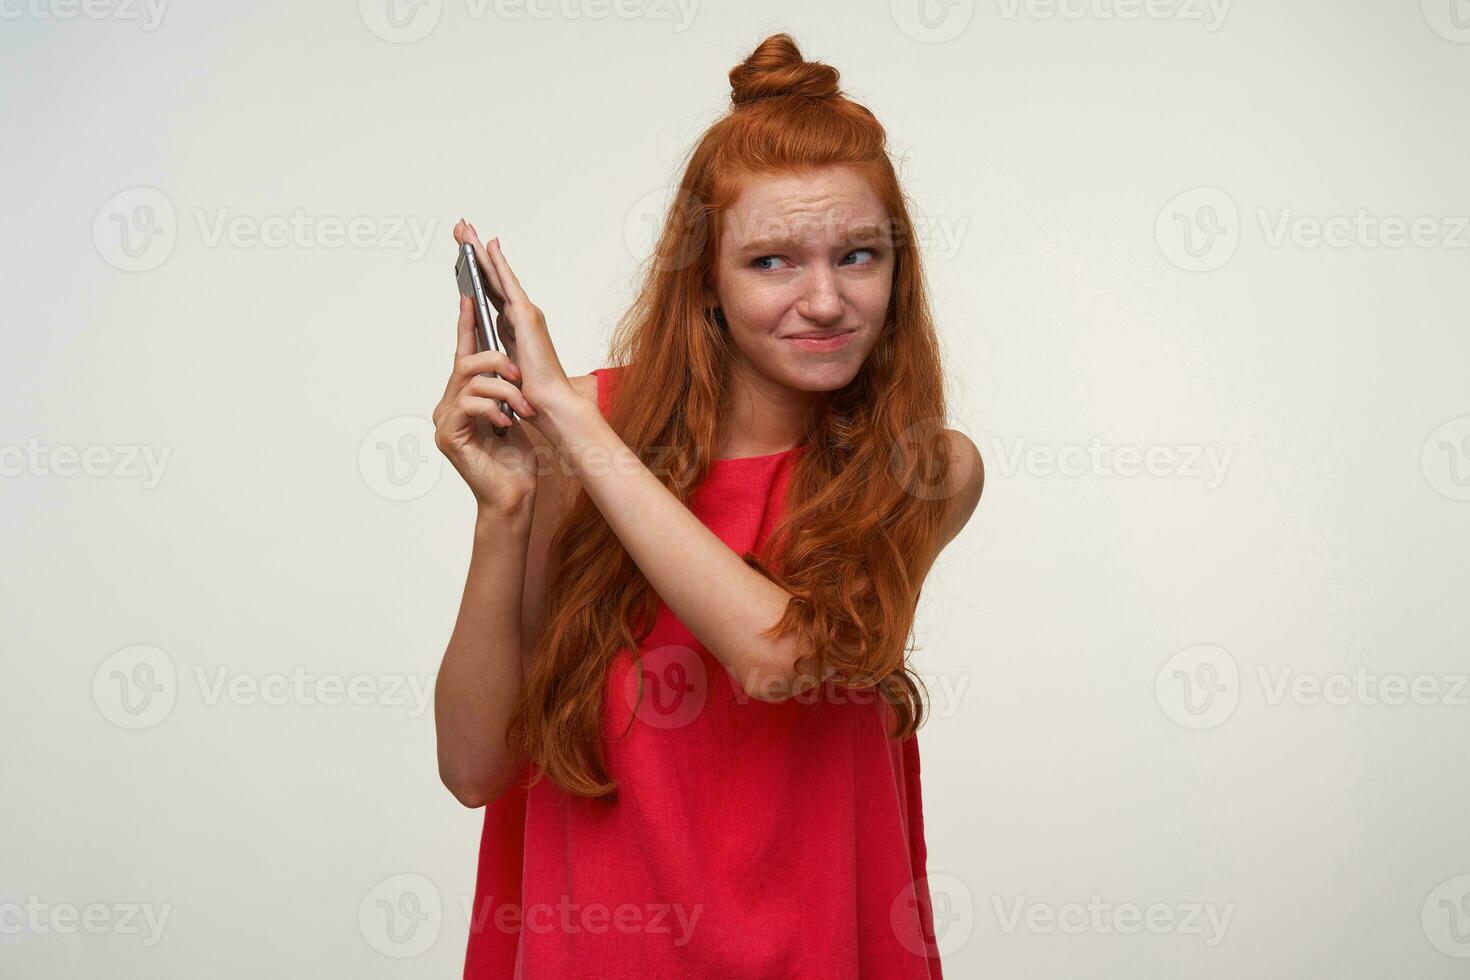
[(966, 481), (585, 385)]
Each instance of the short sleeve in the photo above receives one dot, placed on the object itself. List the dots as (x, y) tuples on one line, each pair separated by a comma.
[(607, 383)]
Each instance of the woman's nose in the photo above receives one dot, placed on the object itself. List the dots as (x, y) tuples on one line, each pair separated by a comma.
[(822, 300)]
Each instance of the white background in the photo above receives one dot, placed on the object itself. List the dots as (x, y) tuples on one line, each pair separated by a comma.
[(1103, 197)]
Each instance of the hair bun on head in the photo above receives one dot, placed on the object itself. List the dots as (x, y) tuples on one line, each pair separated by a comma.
[(776, 69)]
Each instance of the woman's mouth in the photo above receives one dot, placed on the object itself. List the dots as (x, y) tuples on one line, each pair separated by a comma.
[(822, 343)]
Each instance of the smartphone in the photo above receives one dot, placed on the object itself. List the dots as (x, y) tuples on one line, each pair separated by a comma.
[(472, 284)]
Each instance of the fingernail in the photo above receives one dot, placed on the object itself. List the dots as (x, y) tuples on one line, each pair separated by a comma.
[(473, 232)]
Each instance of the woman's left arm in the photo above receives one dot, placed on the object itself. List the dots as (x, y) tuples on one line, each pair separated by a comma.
[(723, 601)]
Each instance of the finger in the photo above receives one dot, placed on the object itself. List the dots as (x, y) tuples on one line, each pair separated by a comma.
[(487, 362), (513, 291), (467, 407), (497, 290), (499, 389), (453, 416), (465, 342)]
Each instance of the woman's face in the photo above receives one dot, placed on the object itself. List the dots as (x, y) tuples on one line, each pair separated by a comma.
[(804, 274)]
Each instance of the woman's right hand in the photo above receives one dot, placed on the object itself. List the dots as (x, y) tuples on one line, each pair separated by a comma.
[(500, 470)]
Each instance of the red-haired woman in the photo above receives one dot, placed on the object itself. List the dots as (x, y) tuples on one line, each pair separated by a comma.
[(678, 680)]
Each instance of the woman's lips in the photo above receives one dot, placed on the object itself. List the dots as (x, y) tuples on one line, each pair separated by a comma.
[(830, 343)]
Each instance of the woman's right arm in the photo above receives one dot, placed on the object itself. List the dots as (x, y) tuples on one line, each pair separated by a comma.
[(500, 611), (480, 676), (522, 493)]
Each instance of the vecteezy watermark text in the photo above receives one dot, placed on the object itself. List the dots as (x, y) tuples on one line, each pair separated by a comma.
[(1200, 230), (1124, 918), (1200, 687), (123, 462), (402, 916), (406, 21), (137, 687), (148, 12), (653, 918), (136, 230), (38, 918), (1207, 462), (1211, 13)]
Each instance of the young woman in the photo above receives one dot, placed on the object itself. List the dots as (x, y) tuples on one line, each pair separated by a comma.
[(678, 681)]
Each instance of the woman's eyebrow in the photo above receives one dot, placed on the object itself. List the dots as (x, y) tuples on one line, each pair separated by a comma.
[(855, 236)]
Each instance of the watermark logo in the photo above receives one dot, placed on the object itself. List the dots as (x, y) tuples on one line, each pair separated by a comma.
[(667, 687), (136, 687), (932, 21), (1198, 687), (400, 21), (135, 230), (915, 459), (401, 915), (953, 908), (398, 460), (1199, 229), (643, 228), (1446, 459), (1450, 19), (1446, 917)]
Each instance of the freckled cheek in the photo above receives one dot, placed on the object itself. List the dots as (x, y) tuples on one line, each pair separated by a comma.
[(875, 291), (761, 314)]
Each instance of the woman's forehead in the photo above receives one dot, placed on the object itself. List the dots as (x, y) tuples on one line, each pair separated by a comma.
[(834, 204)]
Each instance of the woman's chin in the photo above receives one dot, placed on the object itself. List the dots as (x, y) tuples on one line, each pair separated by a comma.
[(808, 373)]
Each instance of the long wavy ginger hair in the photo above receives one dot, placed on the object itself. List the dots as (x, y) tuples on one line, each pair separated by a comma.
[(864, 516)]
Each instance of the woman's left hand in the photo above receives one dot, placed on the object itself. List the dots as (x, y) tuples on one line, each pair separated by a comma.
[(521, 327)]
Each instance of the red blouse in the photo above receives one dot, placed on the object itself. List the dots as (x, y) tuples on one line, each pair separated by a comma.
[(749, 840)]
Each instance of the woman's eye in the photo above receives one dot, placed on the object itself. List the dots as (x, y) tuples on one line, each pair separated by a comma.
[(763, 258)]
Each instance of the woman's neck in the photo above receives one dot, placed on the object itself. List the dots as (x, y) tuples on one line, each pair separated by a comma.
[(765, 416)]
